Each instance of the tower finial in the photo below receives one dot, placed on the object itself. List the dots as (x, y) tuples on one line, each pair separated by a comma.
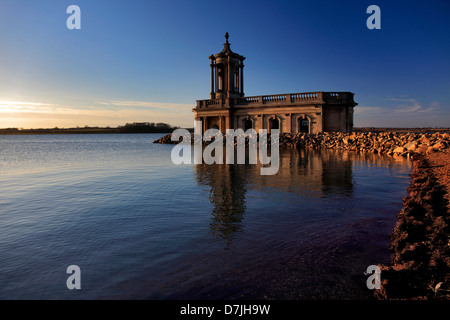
[(226, 37)]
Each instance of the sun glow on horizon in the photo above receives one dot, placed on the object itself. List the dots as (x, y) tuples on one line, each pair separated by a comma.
[(22, 114)]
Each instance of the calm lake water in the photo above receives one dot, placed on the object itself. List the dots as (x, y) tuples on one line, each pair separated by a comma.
[(140, 227)]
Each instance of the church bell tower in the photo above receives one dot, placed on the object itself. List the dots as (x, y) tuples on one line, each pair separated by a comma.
[(227, 73)]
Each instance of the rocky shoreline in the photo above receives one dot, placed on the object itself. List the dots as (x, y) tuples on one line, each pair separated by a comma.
[(420, 266), (390, 143)]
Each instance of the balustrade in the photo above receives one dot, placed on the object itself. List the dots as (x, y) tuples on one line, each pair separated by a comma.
[(280, 98)]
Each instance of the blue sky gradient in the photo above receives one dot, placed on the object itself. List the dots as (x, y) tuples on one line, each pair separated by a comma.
[(141, 60)]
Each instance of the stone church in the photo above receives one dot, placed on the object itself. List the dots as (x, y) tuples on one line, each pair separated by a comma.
[(229, 108)]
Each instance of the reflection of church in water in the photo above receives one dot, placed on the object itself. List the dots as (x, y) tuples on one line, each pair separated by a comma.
[(301, 171), (229, 108)]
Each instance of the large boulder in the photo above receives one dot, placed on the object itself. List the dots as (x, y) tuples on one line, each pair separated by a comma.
[(400, 150)]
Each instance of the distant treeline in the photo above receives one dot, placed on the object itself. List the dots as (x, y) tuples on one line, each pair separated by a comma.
[(151, 127), (146, 127), (136, 127)]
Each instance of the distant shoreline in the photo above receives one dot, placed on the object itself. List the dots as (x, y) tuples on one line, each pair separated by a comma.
[(164, 128), (141, 127), (56, 131)]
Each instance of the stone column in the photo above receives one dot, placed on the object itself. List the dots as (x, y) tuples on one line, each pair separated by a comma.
[(204, 125), (288, 123), (212, 80), (227, 123), (217, 78), (228, 77), (320, 96), (241, 78), (260, 120)]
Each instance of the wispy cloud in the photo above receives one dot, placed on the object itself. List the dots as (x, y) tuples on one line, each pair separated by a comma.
[(402, 99), (26, 107), (99, 113), (362, 110), (162, 106), (401, 111), (412, 108), (19, 103), (38, 107), (415, 107), (435, 104)]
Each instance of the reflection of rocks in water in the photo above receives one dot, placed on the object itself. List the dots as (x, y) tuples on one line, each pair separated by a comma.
[(227, 195), (316, 172)]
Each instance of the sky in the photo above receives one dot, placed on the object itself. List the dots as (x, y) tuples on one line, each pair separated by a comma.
[(147, 60)]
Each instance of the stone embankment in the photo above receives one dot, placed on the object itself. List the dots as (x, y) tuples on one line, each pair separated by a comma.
[(390, 143)]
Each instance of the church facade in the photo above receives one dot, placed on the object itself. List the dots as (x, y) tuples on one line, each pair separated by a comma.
[(305, 112)]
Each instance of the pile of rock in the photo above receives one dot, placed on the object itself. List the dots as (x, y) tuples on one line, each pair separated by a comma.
[(390, 143), (166, 140)]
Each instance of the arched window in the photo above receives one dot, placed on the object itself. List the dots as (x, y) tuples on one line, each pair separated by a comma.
[(248, 124), (274, 123), (303, 125)]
